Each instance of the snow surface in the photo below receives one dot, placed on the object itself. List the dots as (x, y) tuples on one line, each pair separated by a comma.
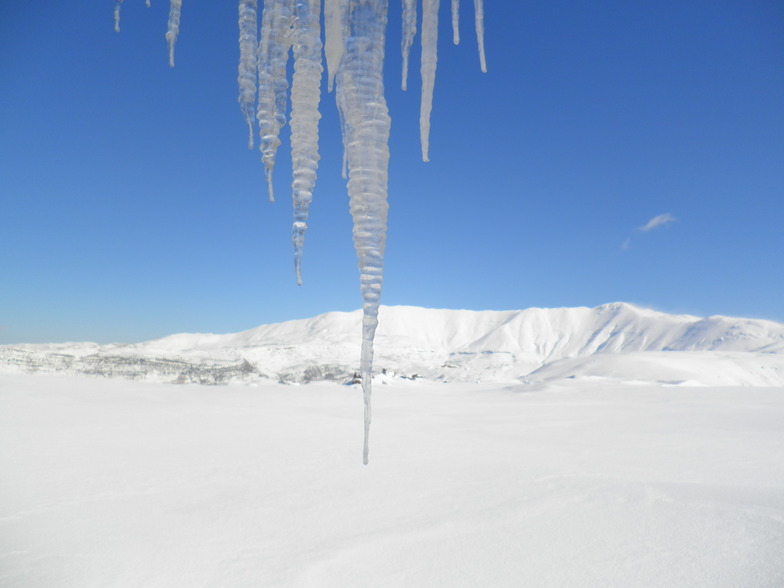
[(115, 483), (536, 345)]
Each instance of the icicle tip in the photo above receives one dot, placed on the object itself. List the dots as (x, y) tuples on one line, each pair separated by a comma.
[(270, 192)]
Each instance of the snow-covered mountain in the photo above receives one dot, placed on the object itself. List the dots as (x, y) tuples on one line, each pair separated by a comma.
[(617, 340)]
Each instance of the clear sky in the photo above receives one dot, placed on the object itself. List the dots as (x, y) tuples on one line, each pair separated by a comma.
[(131, 208)]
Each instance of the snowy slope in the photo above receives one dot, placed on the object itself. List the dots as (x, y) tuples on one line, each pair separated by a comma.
[(447, 345)]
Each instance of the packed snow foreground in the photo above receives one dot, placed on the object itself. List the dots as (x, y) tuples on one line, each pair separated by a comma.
[(566, 483), (355, 32)]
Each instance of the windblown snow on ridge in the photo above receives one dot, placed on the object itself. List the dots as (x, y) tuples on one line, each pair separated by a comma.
[(528, 345)]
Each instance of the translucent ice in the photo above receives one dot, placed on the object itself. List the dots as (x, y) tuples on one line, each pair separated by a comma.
[(429, 60), (360, 88), (305, 96), (355, 34), (456, 22), (273, 56), (334, 16), (479, 14), (409, 32), (117, 7), (247, 68), (175, 7)]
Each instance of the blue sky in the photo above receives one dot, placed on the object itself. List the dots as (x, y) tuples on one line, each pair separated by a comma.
[(131, 207)]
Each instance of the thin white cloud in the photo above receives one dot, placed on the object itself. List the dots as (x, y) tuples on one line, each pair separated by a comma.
[(657, 221)]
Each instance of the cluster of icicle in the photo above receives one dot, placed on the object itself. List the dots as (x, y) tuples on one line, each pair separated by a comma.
[(175, 6), (354, 49)]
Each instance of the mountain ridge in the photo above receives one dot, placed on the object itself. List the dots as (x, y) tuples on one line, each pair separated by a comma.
[(412, 342)]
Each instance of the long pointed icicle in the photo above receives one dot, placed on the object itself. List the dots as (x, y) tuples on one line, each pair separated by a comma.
[(360, 87), (409, 32), (272, 58), (429, 60), (456, 22), (479, 14), (247, 68), (175, 8), (117, 7), (305, 97)]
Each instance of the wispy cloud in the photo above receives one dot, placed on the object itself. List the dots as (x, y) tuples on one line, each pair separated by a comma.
[(657, 221)]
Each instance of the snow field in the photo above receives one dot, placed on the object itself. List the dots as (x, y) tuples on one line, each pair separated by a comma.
[(114, 483)]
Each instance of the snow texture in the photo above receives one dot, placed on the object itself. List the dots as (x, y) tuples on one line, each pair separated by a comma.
[(573, 485), (305, 115), (247, 68), (175, 8)]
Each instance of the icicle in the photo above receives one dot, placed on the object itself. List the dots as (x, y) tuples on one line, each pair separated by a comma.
[(247, 68), (360, 87), (409, 32), (479, 13), (429, 60), (273, 86), (305, 97), (117, 6), (355, 31), (175, 7), (343, 131), (335, 44), (456, 22)]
